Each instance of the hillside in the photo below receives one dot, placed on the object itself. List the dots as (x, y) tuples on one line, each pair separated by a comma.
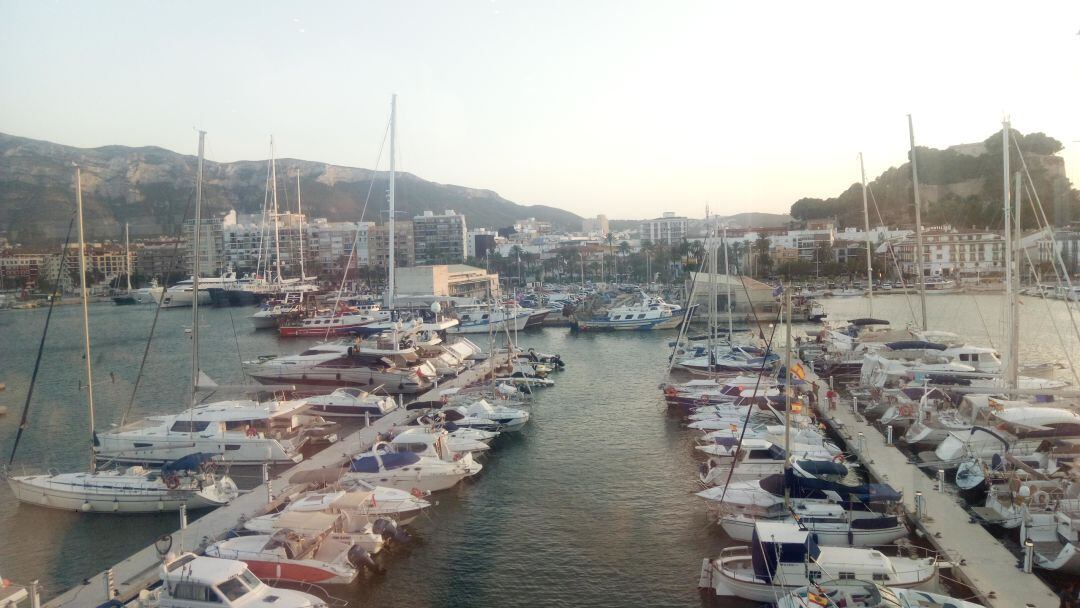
[(151, 188), (960, 185)]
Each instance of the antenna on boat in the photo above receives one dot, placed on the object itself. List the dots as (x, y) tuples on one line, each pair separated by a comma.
[(85, 318)]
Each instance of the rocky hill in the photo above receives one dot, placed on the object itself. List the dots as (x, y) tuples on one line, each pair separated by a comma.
[(152, 189), (960, 185)]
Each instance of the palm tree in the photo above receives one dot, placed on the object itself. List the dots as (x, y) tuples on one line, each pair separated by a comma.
[(610, 238), (624, 248), (761, 246)]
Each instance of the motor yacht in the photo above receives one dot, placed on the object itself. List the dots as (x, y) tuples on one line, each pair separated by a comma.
[(409, 471), (192, 581), (352, 403), (851, 593)]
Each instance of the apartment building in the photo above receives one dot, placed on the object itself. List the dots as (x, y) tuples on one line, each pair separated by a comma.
[(440, 239)]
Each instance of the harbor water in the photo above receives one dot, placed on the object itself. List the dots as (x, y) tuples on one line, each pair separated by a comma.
[(590, 506)]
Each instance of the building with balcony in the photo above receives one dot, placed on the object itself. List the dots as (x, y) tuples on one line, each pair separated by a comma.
[(440, 239), (668, 229)]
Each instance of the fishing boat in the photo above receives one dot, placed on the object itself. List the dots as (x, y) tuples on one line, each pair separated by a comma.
[(781, 558), (193, 581), (484, 318), (650, 313)]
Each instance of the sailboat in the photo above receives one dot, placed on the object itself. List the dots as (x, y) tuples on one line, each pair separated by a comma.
[(126, 298), (187, 481)]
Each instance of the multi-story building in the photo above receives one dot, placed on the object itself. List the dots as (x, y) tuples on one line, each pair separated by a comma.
[(597, 225), (480, 242), (668, 229), (440, 239), (446, 280), (331, 243), (26, 267), (212, 260), (954, 252), (159, 259), (379, 245)]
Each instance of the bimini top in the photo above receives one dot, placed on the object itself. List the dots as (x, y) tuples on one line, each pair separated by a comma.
[(775, 543), (370, 463), (867, 321), (191, 462)]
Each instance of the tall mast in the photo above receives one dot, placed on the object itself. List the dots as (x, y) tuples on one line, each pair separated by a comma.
[(127, 256), (712, 250), (869, 246), (195, 273), (273, 194), (85, 317), (727, 281), (787, 391), (390, 224), (1014, 345), (918, 223), (1010, 303), (300, 212)]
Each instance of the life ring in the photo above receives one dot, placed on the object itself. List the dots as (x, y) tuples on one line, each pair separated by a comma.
[(251, 432), (1040, 498), (907, 410), (172, 482), (417, 492), (838, 458)]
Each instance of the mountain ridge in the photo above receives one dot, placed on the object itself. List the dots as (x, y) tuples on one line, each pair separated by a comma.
[(151, 188)]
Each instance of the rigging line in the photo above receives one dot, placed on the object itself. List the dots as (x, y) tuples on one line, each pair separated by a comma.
[(1053, 321), (750, 410), (23, 422), (359, 227), (685, 322), (896, 262), (982, 320), (157, 313)]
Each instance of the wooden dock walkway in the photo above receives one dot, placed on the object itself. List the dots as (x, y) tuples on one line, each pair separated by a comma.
[(980, 560), (140, 570)]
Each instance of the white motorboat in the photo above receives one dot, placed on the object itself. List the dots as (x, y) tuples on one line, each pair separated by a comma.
[(782, 558), (235, 432), (482, 318), (1056, 535), (352, 403), (360, 502), (481, 415), (831, 524), (132, 490), (382, 361), (409, 471), (192, 581), (862, 594), (181, 294), (774, 433), (1013, 427), (306, 547), (751, 459), (437, 443)]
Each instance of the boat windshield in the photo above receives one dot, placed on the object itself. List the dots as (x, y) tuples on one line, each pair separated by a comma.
[(252, 581), (233, 589)]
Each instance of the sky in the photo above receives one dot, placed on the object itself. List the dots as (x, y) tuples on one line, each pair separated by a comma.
[(617, 107)]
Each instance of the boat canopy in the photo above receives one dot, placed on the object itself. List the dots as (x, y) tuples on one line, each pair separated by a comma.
[(191, 462), (370, 463), (776, 543), (867, 321), (802, 487), (914, 345)]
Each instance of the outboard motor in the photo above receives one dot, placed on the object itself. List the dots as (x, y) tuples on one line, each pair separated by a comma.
[(389, 530), (360, 559)]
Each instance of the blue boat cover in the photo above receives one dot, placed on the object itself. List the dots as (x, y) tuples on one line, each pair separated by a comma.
[(191, 462), (868, 321), (368, 464), (768, 553), (823, 467)]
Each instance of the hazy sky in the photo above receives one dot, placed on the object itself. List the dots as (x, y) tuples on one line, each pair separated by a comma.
[(623, 108)]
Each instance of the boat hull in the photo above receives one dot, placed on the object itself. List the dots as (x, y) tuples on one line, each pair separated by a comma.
[(38, 491)]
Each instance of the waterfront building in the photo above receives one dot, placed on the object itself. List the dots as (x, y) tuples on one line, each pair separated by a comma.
[(157, 259), (379, 245), (331, 243), (668, 229), (211, 245), (440, 239), (446, 280), (949, 252)]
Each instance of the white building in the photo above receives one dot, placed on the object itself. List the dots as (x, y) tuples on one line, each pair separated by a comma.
[(596, 225), (948, 252), (668, 229)]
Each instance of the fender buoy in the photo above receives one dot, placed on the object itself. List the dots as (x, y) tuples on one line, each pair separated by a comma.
[(417, 492), (838, 458), (457, 456), (172, 482)]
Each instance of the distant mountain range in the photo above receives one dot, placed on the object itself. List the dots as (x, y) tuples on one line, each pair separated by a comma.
[(152, 188)]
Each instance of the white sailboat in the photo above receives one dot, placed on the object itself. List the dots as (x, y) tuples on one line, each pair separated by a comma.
[(135, 489)]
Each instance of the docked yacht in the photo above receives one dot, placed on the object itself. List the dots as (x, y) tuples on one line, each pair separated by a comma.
[(831, 524), (484, 318), (851, 593), (481, 415), (182, 293), (327, 323), (358, 501), (352, 403), (782, 558), (378, 361), (409, 471), (649, 313), (751, 459), (305, 547), (1056, 535), (234, 432), (188, 481), (437, 443), (1013, 427), (192, 581)]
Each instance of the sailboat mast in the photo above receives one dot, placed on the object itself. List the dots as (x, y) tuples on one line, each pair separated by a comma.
[(392, 202), (273, 194), (727, 282), (787, 390), (1014, 295), (300, 212), (195, 272), (85, 316), (127, 256), (869, 245), (1010, 304), (918, 223)]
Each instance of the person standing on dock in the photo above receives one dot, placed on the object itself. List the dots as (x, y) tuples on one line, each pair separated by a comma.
[(831, 396)]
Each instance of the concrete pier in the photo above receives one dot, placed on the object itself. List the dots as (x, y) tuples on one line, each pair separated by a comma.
[(140, 570), (980, 560)]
